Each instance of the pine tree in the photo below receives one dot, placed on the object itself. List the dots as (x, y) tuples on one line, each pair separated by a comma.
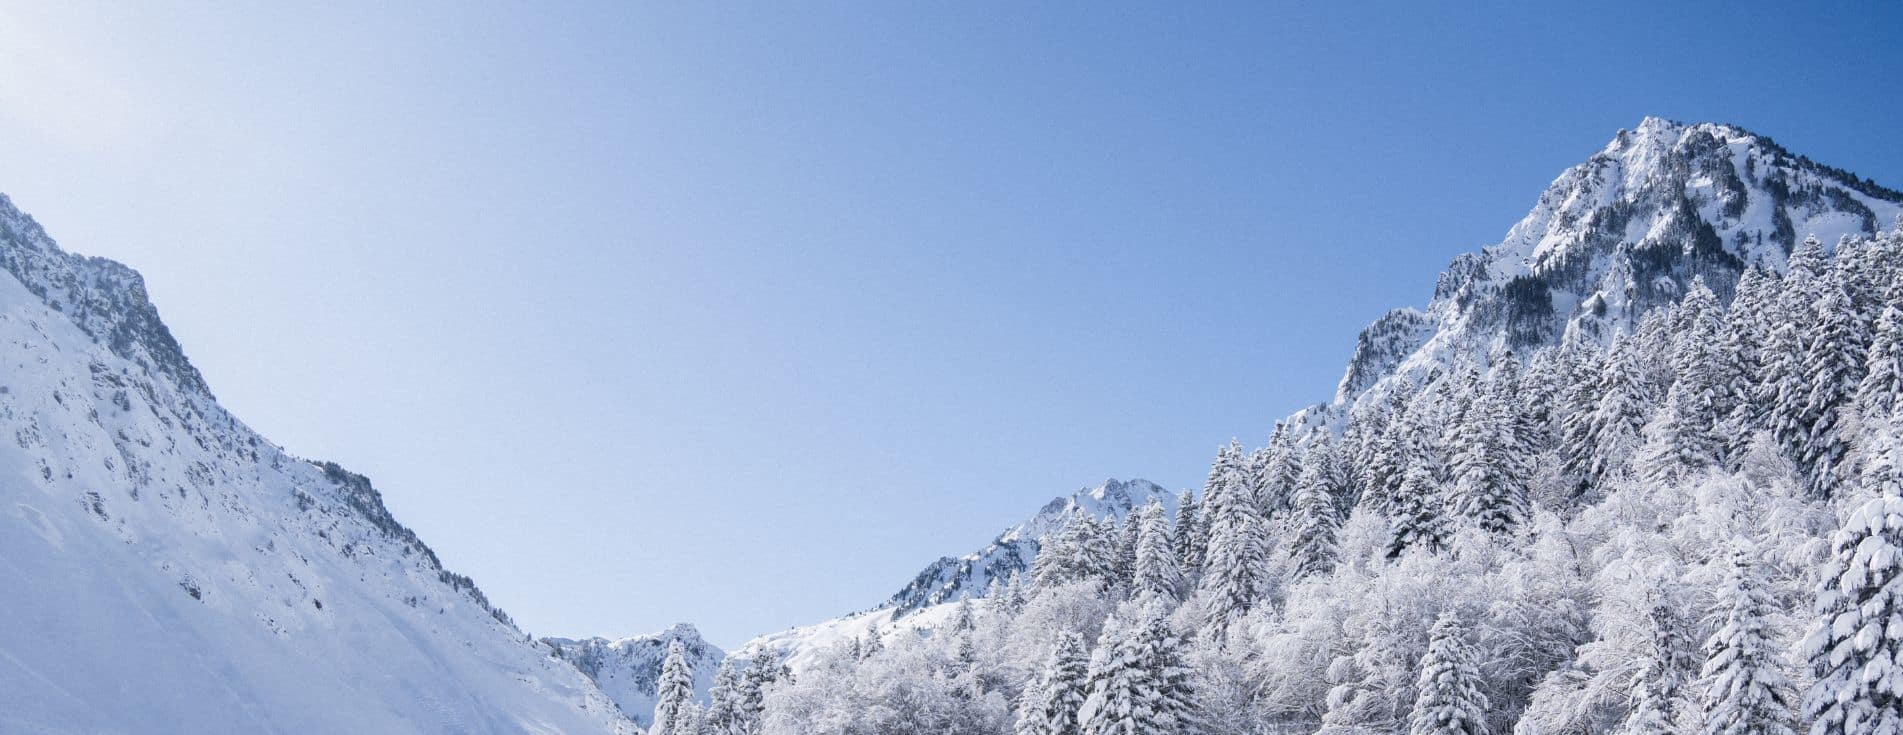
[(1661, 687), (1190, 537), (1489, 481), (1317, 515), (1448, 700), (1082, 550), (1157, 572), (1856, 648), (1384, 459), (1050, 702), (1280, 468), (1129, 535), (675, 693), (1746, 692), (1234, 575), (1140, 685), (1419, 520), (1882, 382), (1616, 421), (1746, 332), (1683, 439), (724, 715), (1834, 363), (767, 671)]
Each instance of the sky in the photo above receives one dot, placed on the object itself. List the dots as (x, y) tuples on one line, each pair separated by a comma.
[(740, 315)]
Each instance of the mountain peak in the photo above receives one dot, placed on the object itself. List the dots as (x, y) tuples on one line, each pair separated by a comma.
[(1659, 206)]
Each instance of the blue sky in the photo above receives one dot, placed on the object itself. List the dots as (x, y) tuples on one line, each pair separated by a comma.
[(740, 315)]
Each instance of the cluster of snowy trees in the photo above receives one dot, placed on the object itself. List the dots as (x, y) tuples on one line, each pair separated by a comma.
[(1690, 524), (738, 698)]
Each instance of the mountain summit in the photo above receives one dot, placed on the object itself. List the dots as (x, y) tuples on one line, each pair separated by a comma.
[(1620, 234)]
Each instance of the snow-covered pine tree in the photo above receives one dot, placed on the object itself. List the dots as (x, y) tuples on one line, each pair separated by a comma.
[(1489, 482), (1190, 536), (766, 672), (1855, 649), (1317, 514), (724, 716), (1129, 534), (1745, 689), (1082, 550), (1578, 370), (674, 695), (1140, 684), (1683, 438), (1280, 470), (1236, 575), (1661, 686), (1384, 459), (1614, 426), (1050, 701), (1419, 520), (1157, 571), (1448, 698), (1883, 366), (1235, 572), (1834, 363)]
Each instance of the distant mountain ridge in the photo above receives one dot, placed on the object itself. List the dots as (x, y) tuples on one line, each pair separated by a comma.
[(1012, 551), (628, 670)]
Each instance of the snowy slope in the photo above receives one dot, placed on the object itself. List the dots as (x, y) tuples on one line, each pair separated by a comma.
[(629, 670), (800, 648), (1012, 551), (933, 594), (167, 570), (1617, 235)]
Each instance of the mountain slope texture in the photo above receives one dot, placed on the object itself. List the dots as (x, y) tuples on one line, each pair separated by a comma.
[(166, 569)]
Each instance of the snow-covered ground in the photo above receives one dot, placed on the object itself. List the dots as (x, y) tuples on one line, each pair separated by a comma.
[(165, 569)]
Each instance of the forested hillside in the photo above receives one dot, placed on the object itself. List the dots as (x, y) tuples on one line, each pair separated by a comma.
[(1665, 502)]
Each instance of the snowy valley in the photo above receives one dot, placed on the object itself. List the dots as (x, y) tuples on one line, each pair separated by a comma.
[(1633, 469)]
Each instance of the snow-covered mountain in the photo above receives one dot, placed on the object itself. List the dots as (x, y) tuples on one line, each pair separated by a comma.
[(1622, 233), (1012, 551), (166, 569), (629, 670), (928, 600)]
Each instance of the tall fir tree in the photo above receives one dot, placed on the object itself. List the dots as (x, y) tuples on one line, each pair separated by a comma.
[(1614, 426), (1745, 689), (1140, 685), (1855, 649), (1489, 477), (1190, 536), (1280, 468), (1448, 698), (1051, 700), (1157, 571), (1662, 686), (1877, 393), (1235, 572), (674, 696), (1419, 520), (1317, 514), (1834, 364), (725, 715)]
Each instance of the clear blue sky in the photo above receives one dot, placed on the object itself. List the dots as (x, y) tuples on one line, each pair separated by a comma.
[(740, 315)]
